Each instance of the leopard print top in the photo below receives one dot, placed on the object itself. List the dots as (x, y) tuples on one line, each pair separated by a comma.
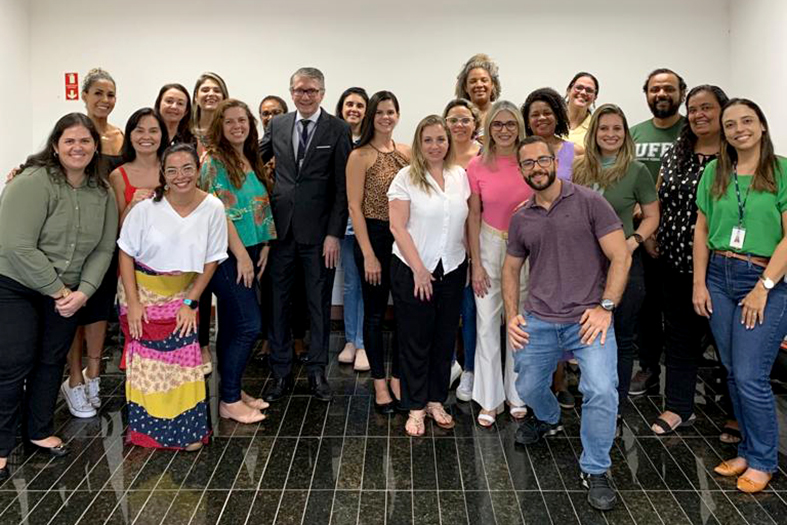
[(378, 178)]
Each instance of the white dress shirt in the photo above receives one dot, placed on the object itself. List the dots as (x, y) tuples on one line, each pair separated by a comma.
[(297, 129), (437, 219)]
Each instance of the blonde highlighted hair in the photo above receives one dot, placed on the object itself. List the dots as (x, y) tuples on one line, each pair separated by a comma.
[(418, 166), (588, 169), (489, 156)]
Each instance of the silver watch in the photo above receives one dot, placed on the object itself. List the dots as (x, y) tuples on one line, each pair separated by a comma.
[(767, 283), (607, 305)]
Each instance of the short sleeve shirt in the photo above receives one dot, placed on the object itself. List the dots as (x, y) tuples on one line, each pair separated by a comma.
[(635, 187), (652, 143), (762, 218), (568, 268), (501, 189)]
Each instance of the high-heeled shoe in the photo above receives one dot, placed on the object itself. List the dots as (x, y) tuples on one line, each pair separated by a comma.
[(57, 452), (729, 471)]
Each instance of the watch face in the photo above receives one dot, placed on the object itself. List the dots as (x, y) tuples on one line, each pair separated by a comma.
[(608, 305)]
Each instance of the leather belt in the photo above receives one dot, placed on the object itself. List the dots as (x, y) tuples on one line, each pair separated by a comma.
[(754, 259)]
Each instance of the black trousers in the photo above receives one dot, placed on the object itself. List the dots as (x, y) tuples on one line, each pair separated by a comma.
[(685, 332), (285, 256), (626, 316), (34, 342), (375, 299), (427, 331), (650, 338), (299, 312)]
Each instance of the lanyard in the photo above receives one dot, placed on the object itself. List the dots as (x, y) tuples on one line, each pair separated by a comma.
[(741, 203)]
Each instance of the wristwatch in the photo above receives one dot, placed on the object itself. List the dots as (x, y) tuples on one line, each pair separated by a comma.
[(191, 303), (767, 283), (638, 238), (607, 305)]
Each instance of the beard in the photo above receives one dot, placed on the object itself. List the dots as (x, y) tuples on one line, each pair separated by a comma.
[(552, 175), (664, 112)]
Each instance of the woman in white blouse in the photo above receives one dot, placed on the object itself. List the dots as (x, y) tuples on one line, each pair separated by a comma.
[(428, 211), (169, 248)]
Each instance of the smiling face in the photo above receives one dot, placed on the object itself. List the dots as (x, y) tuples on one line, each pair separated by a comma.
[(504, 129), (236, 126), (180, 173), (353, 109), (269, 109), (307, 94), (611, 134), (583, 93), (100, 98), (434, 143), (742, 127), (538, 177), (146, 137), (479, 86), (173, 106), (75, 148), (209, 95), (386, 117), (542, 119), (703, 114), (664, 95), (461, 123)]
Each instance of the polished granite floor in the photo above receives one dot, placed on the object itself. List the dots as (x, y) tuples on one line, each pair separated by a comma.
[(341, 463)]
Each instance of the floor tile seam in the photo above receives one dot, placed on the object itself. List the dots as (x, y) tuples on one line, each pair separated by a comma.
[(486, 478), (197, 506), (213, 473), (508, 468), (142, 509), (653, 506), (316, 462), (703, 494)]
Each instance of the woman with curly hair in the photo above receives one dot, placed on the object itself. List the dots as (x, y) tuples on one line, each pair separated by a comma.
[(479, 82)]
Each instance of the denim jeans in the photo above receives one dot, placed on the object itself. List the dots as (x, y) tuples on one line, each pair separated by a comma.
[(467, 316), (353, 301), (535, 364), (239, 323), (748, 355)]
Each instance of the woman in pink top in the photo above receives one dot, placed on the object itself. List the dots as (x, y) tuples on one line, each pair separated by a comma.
[(497, 190)]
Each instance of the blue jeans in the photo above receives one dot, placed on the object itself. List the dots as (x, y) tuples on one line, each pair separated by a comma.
[(535, 364), (353, 301), (467, 315), (748, 355), (239, 323)]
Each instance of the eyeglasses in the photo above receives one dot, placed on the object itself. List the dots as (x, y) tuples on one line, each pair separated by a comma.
[(511, 125), (544, 161), (586, 89), (187, 170), (271, 113), (305, 92), (464, 121)]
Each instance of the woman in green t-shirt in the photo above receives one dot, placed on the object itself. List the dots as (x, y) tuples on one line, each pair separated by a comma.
[(609, 166), (739, 260)]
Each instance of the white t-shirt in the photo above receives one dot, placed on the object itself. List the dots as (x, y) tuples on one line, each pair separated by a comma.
[(156, 236), (437, 219)]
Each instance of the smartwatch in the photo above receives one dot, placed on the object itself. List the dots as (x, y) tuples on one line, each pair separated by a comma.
[(191, 303), (607, 305)]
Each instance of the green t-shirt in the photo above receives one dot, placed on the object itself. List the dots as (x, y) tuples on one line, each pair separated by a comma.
[(652, 143), (635, 187), (762, 218)]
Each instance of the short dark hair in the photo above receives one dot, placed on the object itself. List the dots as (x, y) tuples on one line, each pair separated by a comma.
[(660, 71), (684, 145), (553, 99), (367, 124), (177, 148), (361, 92), (532, 139), (184, 126), (128, 153), (280, 101)]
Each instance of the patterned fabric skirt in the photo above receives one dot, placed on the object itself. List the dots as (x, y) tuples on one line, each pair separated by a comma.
[(165, 387)]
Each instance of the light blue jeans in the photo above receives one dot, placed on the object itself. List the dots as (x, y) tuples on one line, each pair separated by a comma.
[(748, 355), (353, 302), (535, 364)]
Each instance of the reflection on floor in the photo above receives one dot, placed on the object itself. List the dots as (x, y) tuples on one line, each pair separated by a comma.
[(342, 463)]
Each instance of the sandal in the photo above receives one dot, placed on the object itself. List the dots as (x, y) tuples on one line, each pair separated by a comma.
[(517, 413), (730, 435), (441, 418), (667, 429), (415, 425), (486, 418)]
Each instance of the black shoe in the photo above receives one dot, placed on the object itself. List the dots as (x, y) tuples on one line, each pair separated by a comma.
[(57, 452), (618, 426), (643, 382), (601, 496), (319, 387), (281, 387), (385, 408), (531, 430), (565, 399)]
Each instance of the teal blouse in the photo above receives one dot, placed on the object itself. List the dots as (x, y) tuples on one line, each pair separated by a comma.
[(248, 207)]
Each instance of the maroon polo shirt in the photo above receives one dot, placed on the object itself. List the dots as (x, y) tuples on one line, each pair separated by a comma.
[(568, 269)]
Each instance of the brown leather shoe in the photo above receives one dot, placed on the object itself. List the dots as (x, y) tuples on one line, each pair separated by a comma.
[(728, 471), (748, 485)]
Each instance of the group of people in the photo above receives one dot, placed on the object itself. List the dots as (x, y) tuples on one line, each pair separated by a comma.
[(585, 239)]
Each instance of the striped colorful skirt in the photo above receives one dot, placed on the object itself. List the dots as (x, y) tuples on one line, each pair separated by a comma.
[(165, 386)]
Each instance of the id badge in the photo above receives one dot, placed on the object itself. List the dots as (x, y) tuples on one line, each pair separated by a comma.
[(737, 237)]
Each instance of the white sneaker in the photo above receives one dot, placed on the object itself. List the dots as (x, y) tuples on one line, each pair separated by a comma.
[(92, 389), (77, 400), (456, 371), (464, 392)]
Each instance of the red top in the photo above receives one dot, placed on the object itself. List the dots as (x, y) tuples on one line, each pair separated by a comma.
[(129, 193)]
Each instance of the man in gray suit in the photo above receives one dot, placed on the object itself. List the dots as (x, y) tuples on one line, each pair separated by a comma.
[(309, 202)]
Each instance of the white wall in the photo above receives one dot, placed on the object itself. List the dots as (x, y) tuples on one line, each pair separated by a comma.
[(15, 123), (758, 47), (412, 47)]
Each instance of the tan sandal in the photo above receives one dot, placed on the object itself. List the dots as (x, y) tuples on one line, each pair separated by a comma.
[(417, 427), (441, 418)]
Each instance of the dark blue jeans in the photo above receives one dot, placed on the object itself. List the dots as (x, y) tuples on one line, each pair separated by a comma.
[(468, 328), (239, 323), (748, 355)]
